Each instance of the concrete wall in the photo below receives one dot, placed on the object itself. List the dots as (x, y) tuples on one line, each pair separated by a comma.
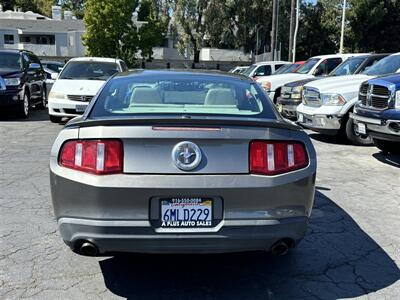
[(213, 54)]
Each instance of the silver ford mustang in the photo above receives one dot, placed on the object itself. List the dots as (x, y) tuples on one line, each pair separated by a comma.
[(181, 162)]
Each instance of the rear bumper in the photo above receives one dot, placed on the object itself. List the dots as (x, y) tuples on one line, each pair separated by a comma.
[(139, 236)]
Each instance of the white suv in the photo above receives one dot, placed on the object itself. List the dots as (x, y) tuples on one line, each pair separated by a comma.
[(78, 82), (264, 68)]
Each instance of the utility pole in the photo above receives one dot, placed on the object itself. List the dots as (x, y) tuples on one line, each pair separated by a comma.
[(291, 31), (343, 23), (296, 29), (274, 26)]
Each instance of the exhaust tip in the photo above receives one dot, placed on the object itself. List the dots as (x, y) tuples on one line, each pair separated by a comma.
[(280, 248), (88, 249)]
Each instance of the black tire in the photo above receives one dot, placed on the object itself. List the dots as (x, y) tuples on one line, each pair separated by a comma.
[(387, 147), (55, 119), (354, 137), (23, 107), (42, 104)]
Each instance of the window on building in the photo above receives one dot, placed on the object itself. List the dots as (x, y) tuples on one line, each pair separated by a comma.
[(8, 39)]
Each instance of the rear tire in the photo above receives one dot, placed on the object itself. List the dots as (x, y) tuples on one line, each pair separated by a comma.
[(387, 147), (23, 108), (55, 119), (354, 137)]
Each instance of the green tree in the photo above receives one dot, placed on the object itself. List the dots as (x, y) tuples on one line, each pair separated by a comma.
[(76, 6), (153, 32), (110, 31), (189, 21)]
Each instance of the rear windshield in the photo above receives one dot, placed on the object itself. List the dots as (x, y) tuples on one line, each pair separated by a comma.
[(89, 70), (172, 94)]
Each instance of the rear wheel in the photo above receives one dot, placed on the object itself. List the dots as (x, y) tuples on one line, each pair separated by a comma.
[(387, 146), (23, 108), (354, 136), (55, 119)]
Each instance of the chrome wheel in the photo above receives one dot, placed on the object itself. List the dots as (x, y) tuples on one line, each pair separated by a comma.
[(26, 105)]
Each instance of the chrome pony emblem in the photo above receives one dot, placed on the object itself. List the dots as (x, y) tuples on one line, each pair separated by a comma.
[(186, 155)]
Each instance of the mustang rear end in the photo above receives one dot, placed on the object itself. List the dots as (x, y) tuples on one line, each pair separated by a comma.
[(181, 162)]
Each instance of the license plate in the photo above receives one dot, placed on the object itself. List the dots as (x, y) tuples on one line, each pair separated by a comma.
[(361, 128), (186, 212), (81, 108), (301, 118)]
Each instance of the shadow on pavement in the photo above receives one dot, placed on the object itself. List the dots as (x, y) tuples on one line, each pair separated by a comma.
[(329, 139), (335, 260), (392, 160), (34, 115)]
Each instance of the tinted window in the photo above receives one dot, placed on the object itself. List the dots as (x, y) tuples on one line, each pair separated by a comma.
[(10, 61), (389, 64), (263, 71), (277, 67), (179, 94), (348, 67), (89, 70), (308, 65)]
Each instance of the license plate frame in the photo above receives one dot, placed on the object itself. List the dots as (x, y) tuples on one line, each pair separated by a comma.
[(186, 212), (361, 128)]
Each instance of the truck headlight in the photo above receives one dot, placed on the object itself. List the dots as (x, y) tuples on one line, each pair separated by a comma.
[(296, 92), (397, 100), (56, 95), (12, 81), (332, 99)]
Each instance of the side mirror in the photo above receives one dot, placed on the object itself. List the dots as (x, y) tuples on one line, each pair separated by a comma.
[(54, 76), (34, 66)]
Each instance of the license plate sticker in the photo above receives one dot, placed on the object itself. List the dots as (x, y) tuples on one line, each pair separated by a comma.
[(186, 212), (361, 128), (300, 118), (81, 108)]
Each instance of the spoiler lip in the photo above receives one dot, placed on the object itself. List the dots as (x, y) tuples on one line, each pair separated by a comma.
[(182, 121)]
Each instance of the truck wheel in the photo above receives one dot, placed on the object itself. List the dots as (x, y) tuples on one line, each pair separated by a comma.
[(55, 119), (387, 147), (23, 108), (354, 137)]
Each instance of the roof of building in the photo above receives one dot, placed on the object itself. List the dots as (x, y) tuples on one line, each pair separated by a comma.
[(42, 26), (9, 14)]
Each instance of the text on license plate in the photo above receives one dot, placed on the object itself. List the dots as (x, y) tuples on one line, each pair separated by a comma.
[(81, 108), (186, 212), (361, 128)]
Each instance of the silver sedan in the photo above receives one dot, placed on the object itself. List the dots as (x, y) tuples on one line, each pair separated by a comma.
[(181, 162)]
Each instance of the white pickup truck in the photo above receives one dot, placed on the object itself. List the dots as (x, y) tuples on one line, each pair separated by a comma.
[(320, 65), (326, 103)]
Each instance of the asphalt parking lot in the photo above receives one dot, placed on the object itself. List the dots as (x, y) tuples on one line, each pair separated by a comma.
[(352, 248)]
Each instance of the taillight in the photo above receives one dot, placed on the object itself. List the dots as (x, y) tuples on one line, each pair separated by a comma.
[(277, 157), (93, 156)]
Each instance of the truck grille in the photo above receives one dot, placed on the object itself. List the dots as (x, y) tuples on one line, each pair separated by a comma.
[(374, 96), (82, 98), (311, 97)]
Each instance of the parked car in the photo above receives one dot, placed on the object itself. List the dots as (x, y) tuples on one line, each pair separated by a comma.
[(178, 162), (291, 93), (264, 68), (239, 69), (22, 82), (55, 66), (377, 113), (78, 83), (49, 80), (291, 68), (316, 66), (326, 103)]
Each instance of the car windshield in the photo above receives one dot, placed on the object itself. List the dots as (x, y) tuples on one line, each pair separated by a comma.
[(308, 65), (348, 67), (389, 64), (181, 94), (283, 69), (10, 61), (89, 70), (249, 70), (53, 66)]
